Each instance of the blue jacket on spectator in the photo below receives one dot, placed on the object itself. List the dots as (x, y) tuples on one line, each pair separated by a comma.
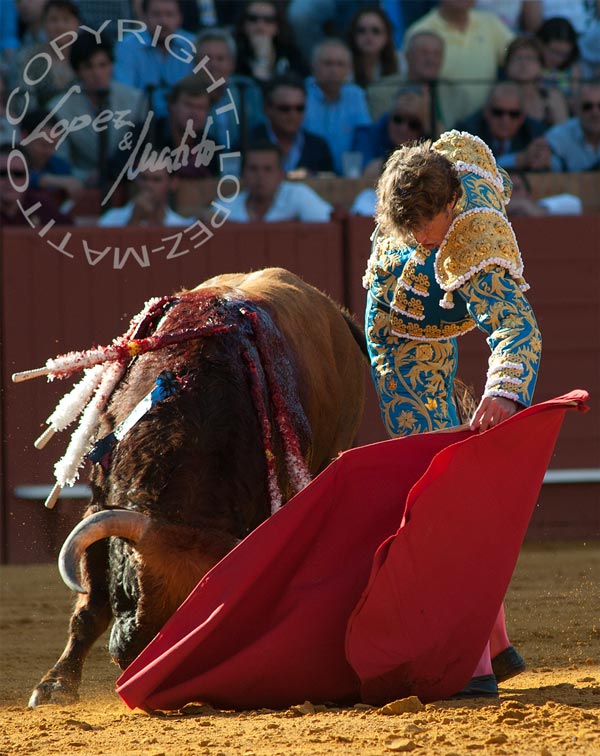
[(570, 149), (313, 154), (505, 154)]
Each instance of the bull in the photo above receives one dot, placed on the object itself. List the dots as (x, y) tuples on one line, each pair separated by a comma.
[(275, 394)]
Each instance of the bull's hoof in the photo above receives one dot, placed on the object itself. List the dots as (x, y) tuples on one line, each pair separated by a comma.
[(53, 692)]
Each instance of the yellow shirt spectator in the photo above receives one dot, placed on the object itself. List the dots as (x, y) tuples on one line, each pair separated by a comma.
[(475, 45)]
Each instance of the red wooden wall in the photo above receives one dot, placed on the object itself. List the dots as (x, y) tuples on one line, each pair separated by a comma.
[(54, 303)]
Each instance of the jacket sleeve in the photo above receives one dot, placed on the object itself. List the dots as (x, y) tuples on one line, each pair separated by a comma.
[(500, 309)]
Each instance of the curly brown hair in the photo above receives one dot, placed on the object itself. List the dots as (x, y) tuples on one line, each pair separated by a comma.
[(417, 183)]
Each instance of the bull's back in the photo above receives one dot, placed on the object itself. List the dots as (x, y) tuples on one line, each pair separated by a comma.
[(330, 365)]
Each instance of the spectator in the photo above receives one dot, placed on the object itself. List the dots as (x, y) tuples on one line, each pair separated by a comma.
[(504, 126), (30, 22), (475, 45), (268, 197), (202, 14), (96, 12), (372, 45), (47, 170), (522, 202), (407, 121), (424, 55), (6, 128), (285, 104), (265, 48), (189, 107), (231, 126), (518, 15), (589, 51), (184, 137), (150, 205), (579, 13), (32, 208), (575, 144), (561, 55), (152, 67), (58, 17), (333, 106), (313, 20), (88, 150), (524, 66), (365, 203), (9, 40), (309, 20)]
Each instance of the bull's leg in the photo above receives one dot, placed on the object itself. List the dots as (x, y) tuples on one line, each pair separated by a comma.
[(91, 616)]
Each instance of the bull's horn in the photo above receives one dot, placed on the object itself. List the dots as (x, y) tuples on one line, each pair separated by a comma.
[(118, 522)]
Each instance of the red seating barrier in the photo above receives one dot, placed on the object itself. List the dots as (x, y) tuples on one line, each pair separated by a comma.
[(53, 303)]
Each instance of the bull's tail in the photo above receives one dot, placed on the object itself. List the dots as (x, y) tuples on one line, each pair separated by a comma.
[(465, 399), (356, 330)]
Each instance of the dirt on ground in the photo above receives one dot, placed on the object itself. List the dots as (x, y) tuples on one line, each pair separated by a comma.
[(553, 609)]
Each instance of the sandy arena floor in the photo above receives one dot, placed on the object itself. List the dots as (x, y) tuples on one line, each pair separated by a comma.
[(553, 607)]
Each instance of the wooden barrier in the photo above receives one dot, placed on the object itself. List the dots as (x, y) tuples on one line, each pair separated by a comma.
[(193, 195), (341, 192), (54, 303)]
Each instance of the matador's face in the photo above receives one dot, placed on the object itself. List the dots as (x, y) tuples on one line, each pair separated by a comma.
[(431, 233)]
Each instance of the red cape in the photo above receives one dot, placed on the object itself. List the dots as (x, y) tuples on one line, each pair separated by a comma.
[(379, 580)]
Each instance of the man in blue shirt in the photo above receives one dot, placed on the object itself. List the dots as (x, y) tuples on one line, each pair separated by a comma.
[(572, 145), (504, 125), (333, 106), (153, 60), (575, 144)]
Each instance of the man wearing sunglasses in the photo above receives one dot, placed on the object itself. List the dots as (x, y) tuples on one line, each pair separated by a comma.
[(407, 121), (285, 103), (505, 127), (575, 144)]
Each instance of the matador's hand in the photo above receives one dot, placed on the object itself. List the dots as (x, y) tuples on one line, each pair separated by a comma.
[(491, 411)]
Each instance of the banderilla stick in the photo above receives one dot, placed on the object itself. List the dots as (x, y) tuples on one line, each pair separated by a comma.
[(123, 349)]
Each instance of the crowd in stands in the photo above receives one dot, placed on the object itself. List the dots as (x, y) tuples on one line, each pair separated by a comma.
[(295, 88)]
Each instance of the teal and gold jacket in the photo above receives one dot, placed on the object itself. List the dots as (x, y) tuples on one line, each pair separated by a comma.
[(474, 279)]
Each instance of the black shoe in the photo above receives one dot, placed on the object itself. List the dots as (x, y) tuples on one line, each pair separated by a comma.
[(484, 686), (507, 664)]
